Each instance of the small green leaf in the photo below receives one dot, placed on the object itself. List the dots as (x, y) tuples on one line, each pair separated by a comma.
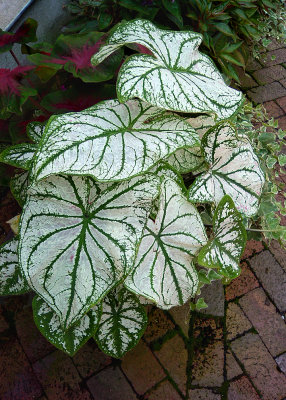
[(282, 159), (123, 322)]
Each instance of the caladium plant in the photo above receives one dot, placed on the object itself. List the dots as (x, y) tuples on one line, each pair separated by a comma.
[(107, 223)]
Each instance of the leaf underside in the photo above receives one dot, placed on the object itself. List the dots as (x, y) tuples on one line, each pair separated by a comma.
[(175, 77), (79, 238)]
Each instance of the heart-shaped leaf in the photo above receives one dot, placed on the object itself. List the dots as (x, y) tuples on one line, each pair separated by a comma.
[(111, 141), (123, 322), (227, 245), (11, 278), (233, 169), (35, 131), (190, 159), (20, 155), (19, 185), (175, 77), (164, 271), (69, 340), (79, 238)]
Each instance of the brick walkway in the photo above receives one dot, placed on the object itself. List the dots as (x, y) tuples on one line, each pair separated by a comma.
[(234, 350)]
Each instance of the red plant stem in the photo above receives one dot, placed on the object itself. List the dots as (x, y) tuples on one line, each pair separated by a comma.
[(15, 57), (33, 101)]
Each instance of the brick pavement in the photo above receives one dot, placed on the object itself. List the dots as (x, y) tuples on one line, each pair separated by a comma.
[(235, 349)]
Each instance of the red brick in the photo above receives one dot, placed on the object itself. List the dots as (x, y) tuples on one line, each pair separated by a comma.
[(213, 295), (208, 364), (280, 57), (141, 368), (236, 321), (242, 389), (174, 357), (282, 122), (89, 359), (282, 101), (18, 381), (242, 284), (182, 315), (273, 109), (207, 327), (33, 342), (232, 368), (165, 391), (260, 366), (203, 394), (245, 79), (268, 323), (270, 74), (252, 247), (272, 277), (158, 325), (253, 65), (271, 91), (59, 377), (110, 384)]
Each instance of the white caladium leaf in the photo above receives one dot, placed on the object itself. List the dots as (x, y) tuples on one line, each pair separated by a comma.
[(123, 322), (233, 169), (19, 185), (175, 77), (79, 238), (35, 131), (111, 141), (69, 340), (227, 245), (164, 272), (187, 160), (11, 278), (20, 155), (190, 159)]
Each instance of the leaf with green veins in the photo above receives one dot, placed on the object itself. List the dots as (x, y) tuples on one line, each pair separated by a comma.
[(164, 271), (20, 155), (19, 185), (234, 170), (123, 322), (12, 281), (187, 160), (35, 131), (79, 238), (227, 245), (176, 76), (70, 340), (190, 159), (111, 141)]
